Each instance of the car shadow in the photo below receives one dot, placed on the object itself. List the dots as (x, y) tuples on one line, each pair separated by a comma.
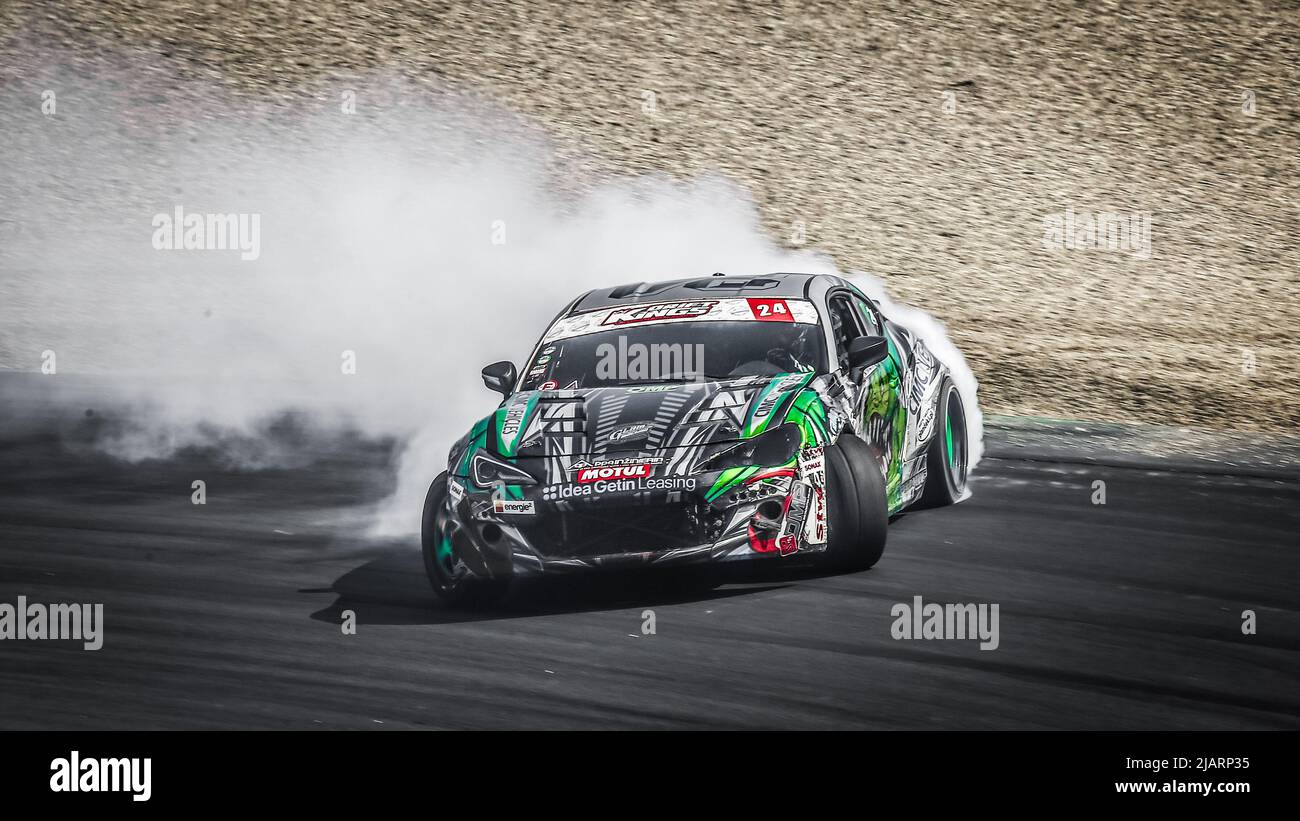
[(393, 590)]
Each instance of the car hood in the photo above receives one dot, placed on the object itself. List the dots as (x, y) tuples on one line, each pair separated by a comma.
[(640, 418)]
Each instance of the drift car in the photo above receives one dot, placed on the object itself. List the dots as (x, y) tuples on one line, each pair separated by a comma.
[(693, 421)]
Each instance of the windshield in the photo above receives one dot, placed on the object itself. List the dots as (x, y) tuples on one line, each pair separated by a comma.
[(676, 352)]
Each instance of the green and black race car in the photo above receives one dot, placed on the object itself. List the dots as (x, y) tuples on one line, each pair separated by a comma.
[(693, 421)]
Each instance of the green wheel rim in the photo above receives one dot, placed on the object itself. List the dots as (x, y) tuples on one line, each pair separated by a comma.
[(443, 553), (954, 439), (948, 437)]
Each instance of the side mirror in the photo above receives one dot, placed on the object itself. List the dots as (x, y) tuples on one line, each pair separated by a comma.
[(866, 351), (500, 377)]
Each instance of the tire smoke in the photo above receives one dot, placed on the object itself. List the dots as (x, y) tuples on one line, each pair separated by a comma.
[(414, 240)]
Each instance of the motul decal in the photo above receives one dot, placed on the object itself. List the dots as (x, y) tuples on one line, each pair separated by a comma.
[(595, 474), (665, 310)]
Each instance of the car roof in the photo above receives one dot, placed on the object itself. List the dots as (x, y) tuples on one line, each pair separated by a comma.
[(777, 285)]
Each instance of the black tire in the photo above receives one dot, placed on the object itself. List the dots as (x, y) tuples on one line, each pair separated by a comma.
[(858, 515), (948, 454), (448, 577)]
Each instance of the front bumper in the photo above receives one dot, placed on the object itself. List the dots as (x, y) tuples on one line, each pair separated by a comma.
[(524, 530)]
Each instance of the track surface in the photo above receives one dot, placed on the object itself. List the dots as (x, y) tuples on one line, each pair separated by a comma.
[(1125, 615)]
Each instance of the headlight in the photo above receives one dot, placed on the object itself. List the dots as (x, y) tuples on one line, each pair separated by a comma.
[(773, 447), (486, 470)]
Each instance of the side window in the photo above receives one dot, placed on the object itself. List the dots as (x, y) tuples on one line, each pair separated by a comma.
[(844, 328), (870, 321)]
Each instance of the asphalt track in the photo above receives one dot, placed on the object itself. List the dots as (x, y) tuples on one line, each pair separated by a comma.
[(1118, 616)]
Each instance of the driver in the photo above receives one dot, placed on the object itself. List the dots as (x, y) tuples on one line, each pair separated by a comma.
[(794, 357)]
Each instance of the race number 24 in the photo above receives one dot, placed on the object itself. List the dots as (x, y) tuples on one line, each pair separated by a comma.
[(770, 310)]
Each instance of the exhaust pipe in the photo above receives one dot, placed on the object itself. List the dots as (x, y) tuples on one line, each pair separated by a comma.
[(768, 515)]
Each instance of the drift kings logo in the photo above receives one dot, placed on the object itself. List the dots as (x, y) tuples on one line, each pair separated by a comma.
[(664, 310)]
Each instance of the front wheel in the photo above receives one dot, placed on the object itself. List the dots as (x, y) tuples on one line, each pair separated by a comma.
[(442, 544), (858, 515)]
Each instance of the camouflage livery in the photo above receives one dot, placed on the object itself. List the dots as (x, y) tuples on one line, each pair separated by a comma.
[(684, 471)]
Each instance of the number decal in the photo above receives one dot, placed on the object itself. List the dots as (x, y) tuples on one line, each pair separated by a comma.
[(770, 310)]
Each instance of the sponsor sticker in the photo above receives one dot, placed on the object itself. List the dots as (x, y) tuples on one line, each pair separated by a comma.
[(601, 487), (798, 510), (636, 430), (512, 507), (915, 484), (818, 522), (730, 309), (926, 426), (666, 310), (593, 474), (787, 545), (812, 464), (548, 385), (513, 419), (456, 491), (605, 463), (556, 493)]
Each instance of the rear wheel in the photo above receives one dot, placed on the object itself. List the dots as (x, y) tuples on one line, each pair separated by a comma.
[(948, 455), (858, 515), (443, 545)]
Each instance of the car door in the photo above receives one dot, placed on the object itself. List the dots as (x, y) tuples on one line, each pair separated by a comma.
[(881, 413), (846, 325)]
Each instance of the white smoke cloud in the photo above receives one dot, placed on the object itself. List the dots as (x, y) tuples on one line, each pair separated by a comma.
[(377, 238)]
